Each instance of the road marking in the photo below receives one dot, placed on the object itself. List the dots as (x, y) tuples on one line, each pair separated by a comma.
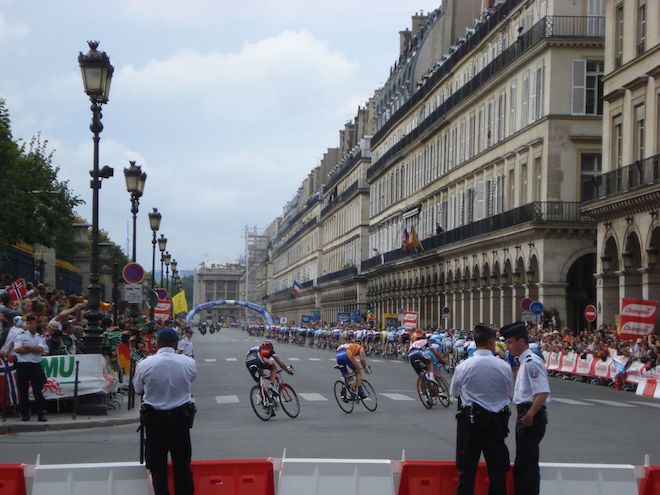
[(312, 397), (332, 359), (212, 360), (570, 402), (376, 360), (397, 397), (650, 404), (227, 399), (294, 359), (611, 403), (231, 359), (314, 359)]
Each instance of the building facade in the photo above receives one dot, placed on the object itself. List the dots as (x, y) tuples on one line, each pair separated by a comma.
[(215, 282), (481, 167), (624, 197)]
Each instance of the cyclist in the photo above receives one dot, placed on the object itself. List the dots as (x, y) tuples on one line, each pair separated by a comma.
[(347, 357), (264, 358), (421, 350)]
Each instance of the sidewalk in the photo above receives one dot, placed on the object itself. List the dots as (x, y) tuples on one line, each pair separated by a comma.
[(64, 421)]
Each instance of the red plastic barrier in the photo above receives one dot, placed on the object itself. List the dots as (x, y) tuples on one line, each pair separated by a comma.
[(440, 478), (650, 484), (12, 479), (231, 477)]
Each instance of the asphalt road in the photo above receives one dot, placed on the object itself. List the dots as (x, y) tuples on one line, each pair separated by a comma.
[(586, 423)]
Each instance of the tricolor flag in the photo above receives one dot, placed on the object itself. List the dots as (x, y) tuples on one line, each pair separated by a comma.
[(17, 290), (296, 289)]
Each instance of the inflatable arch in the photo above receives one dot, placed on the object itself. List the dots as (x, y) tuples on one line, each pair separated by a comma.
[(230, 302)]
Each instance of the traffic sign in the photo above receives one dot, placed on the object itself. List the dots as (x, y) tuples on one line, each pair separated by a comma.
[(133, 273), (536, 307), (526, 303), (590, 313), (133, 293), (446, 312), (152, 298)]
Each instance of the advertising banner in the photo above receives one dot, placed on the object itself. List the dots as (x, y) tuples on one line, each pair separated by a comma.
[(410, 320), (163, 310), (638, 318)]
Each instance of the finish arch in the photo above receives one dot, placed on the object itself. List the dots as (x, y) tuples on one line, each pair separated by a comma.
[(230, 302)]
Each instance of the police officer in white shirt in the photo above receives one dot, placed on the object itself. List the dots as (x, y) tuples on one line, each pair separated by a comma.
[(530, 394), (165, 380), (29, 346), (185, 344), (484, 385)]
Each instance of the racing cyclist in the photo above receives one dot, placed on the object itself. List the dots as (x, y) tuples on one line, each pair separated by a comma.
[(264, 358), (421, 350), (347, 357)]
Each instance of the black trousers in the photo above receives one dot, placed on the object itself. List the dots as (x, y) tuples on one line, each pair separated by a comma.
[(486, 435), (30, 374), (526, 474), (168, 432)]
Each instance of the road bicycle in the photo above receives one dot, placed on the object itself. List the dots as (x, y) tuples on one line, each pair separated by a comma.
[(431, 393), (265, 399), (347, 396)]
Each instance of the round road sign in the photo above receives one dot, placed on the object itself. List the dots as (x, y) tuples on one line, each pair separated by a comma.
[(590, 313), (526, 303), (133, 273), (536, 307)]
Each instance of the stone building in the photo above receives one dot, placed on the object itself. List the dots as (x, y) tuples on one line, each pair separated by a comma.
[(624, 196), (215, 282)]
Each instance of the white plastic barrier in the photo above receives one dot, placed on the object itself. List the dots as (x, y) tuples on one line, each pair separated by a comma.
[(588, 479), (334, 476), (90, 479)]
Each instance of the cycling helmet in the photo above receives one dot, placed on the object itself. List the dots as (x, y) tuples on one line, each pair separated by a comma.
[(266, 345)]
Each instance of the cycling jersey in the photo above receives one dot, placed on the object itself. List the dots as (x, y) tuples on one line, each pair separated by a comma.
[(351, 348)]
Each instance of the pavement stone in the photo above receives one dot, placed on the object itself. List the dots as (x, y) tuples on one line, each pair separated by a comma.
[(64, 421)]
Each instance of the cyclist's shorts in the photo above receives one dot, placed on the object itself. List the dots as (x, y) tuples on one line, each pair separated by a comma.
[(416, 356), (447, 346), (343, 361), (254, 365), (431, 355)]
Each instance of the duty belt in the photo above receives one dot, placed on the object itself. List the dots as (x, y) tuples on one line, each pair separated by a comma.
[(524, 407)]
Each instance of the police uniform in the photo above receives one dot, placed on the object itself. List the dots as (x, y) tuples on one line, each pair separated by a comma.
[(531, 380), (167, 413), (29, 372), (185, 345), (484, 384)]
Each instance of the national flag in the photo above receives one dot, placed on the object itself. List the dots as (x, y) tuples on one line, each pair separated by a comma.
[(8, 388), (296, 289), (179, 303), (414, 240), (17, 290), (405, 240)]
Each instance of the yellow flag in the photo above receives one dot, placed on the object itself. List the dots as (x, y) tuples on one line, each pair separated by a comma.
[(179, 303)]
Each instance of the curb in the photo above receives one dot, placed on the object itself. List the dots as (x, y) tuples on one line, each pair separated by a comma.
[(6, 429)]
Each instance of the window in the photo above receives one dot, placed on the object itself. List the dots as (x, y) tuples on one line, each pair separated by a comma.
[(525, 99), (480, 132), (617, 141), (590, 167), (512, 108), (537, 91), (461, 150), (587, 94), (490, 131), (512, 189), (638, 148), (501, 115), (538, 180), (523, 184), (618, 36), (471, 133), (641, 26)]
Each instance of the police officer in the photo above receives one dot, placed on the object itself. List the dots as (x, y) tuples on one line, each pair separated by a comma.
[(29, 347), (484, 384), (530, 393), (165, 379), (185, 344)]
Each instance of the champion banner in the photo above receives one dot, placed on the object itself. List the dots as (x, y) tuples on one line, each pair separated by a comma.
[(638, 317)]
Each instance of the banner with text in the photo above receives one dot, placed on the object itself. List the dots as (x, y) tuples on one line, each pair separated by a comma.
[(410, 320), (638, 317), (93, 375)]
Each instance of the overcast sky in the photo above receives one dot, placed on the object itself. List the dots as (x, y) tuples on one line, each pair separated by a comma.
[(227, 105)]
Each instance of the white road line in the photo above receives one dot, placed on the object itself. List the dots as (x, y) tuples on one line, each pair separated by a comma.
[(293, 359), (570, 402), (312, 397), (332, 359), (397, 397), (231, 359), (376, 360), (212, 360), (314, 359), (227, 399), (611, 403), (649, 404)]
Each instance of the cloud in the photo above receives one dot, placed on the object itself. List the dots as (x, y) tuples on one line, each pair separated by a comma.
[(12, 32)]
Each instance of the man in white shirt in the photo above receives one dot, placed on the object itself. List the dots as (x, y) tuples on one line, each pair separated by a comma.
[(484, 385), (185, 344), (8, 347), (29, 346), (530, 394), (165, 380)]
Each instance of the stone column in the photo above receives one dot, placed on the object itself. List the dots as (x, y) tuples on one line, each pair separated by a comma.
[(553, 296), (607, 297)]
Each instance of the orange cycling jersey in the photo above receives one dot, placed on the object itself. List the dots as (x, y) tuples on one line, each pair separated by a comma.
[(352, 349)]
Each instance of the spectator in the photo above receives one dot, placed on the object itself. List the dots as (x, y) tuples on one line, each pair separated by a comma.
[(55, 345)]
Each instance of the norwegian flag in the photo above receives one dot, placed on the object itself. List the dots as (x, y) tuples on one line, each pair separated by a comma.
[(17, 290), (8, 388)]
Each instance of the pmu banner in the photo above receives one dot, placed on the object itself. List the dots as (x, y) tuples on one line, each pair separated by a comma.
[(93, 375), (638, 317)]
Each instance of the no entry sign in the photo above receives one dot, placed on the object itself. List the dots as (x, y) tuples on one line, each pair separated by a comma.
[(590, 313)]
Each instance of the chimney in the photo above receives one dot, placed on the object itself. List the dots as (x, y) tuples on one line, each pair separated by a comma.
[(404, 39), (419, 19)]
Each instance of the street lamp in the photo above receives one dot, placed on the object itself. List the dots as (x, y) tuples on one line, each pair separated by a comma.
[(154, 223), (166, 259), (97, 75), (162, 244), (135, 180), (173, 264)]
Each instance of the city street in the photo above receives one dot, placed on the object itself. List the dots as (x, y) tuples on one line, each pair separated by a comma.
[(587, 423)]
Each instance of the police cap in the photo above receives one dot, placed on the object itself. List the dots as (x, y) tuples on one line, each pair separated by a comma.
[(167, 335), (481, 329), (516, 330)]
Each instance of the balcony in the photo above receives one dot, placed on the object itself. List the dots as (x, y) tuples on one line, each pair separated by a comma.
[(536, 213), (346, 272), (346, 194), (640, 174), (547, 28)]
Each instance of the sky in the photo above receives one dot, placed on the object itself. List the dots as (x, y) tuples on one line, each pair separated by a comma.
[(227, 105)]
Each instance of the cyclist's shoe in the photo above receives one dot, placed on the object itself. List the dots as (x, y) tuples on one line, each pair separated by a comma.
[(361, 393), (343, 396)]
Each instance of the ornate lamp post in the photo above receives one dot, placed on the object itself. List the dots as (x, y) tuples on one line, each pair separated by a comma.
[(154, 223), (135, 180), (162, 244), (166, 259), (97, 75)]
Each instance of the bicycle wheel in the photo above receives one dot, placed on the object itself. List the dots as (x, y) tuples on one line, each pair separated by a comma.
[(289, 401), (423, 392), (443, 392), (345, 404), (263, 412), (371, 401)]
